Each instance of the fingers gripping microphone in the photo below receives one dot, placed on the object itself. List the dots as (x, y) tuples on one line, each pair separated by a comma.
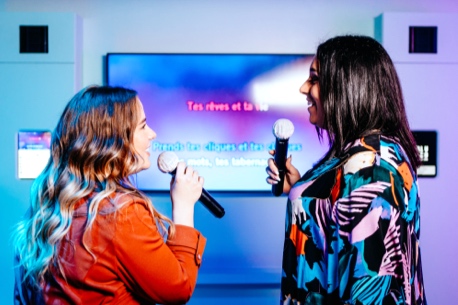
[(167, 163), (282, 129)]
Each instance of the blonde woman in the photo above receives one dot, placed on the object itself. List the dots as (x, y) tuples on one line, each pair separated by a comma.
[(90, 236)]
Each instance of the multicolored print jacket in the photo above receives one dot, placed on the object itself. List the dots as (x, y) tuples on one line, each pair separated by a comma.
[(352, 230)]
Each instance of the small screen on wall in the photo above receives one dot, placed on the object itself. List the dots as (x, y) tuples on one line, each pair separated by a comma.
[(33, 151), (427, 147)]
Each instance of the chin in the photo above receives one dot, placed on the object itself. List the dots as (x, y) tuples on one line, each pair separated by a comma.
[(146, 166)]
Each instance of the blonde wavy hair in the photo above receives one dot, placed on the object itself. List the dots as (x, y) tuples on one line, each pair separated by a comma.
[(91, 152)]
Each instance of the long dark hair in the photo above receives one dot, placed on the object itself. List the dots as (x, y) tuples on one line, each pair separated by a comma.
[(361, 92)]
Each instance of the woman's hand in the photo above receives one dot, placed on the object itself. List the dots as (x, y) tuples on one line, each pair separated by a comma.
[(292, 175), (185, 190)]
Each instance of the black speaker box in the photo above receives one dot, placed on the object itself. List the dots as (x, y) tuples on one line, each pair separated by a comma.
[(423, 39), (33, 39)]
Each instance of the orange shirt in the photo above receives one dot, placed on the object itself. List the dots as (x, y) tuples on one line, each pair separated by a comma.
[(131, 263)]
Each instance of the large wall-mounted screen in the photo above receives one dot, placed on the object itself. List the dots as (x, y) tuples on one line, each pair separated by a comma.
[(216, 112)]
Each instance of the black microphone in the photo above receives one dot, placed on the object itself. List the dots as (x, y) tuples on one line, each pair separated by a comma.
[(282, 129), (167, 163)]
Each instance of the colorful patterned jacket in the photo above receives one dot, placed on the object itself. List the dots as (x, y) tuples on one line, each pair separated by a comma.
[(353, 229)]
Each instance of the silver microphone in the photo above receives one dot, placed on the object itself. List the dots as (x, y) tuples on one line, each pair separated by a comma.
[(167, 163), (282, 129)]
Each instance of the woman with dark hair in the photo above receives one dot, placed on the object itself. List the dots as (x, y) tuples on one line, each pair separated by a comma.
[(90, 236), (352, 223)]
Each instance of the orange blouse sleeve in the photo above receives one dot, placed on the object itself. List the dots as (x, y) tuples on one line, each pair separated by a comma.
[(165, 272)]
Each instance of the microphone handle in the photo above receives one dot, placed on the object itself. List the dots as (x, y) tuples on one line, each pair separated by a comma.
[(208, 201), (211, 204), (281, 150)]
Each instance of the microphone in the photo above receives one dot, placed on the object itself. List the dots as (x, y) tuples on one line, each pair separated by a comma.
[(282, 129), (167, 163)]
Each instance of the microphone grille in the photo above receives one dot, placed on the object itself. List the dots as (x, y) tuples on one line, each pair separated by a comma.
[(283, 129), (167, 161)]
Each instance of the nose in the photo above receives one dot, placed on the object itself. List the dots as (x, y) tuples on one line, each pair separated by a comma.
[(305, 88), (152, 134)]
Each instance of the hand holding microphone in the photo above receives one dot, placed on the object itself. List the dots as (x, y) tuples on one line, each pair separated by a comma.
[(283, 130), (168, 162)]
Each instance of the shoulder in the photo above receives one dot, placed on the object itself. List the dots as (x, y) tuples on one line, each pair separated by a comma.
[(375, 150), (378, 158), (119, 201), (130, 203), (126, 209), (125, 200)]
